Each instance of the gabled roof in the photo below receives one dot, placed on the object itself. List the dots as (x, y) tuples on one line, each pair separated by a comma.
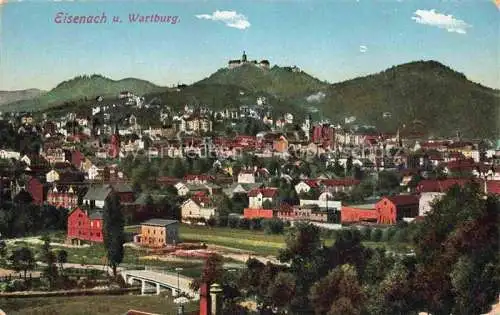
[(403, 200), (98, 192), (266, 192)]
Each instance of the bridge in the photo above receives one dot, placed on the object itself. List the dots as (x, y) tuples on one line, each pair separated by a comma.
[(167, 280)]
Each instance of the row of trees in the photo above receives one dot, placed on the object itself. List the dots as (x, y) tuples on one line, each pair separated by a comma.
[(454, 270), (270, 226)]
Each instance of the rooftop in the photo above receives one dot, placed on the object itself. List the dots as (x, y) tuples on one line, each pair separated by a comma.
[(159, 222)]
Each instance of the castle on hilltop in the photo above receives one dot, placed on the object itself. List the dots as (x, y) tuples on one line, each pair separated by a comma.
[(263, 64)]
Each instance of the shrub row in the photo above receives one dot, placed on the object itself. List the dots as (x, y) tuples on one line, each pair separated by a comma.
[(389, 234), (270, 226)]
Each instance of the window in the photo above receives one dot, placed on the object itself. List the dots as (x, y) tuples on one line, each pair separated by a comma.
[(91, 224), (98, 234), (97, 223)]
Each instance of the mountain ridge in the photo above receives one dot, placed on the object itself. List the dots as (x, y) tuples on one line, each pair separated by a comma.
[(444, 100)]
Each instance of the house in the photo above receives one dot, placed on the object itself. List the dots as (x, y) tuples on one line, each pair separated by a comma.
[(158, 233), (306, 185), (246, 177), (37, 189), (182, 189), (197, 208), (493, 187), (435, 185), (85, 226), (426, 201), (64, 198), (280, 145), (358, 213), (52, 176), (325, 201), (6, 154), (198, 179), (96, 196), (396, 208), (239, 189), (257, 197), (340, 185)]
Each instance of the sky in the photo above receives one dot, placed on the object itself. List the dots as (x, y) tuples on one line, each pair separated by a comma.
[(333, 40)]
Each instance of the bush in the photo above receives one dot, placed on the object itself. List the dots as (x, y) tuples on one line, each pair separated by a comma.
[(244, 223), (273, 226), (222, 221), (211, 221), (376, 235), (400, 236), (256, 224), (365, 233), (233, 222), (385, 235)]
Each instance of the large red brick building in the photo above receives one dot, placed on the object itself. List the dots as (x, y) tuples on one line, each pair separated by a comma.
[(85, 226)]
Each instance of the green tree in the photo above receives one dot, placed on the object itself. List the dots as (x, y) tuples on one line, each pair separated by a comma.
[(338, 293), (113, 232), (22, 259), (281, 290), (62, 258), (49, 259), (213, 272)]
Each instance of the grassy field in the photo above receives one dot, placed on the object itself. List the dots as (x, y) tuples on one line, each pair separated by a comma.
[(89, 305)]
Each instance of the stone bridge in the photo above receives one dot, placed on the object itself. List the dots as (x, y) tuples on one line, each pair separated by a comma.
[(160, 280)]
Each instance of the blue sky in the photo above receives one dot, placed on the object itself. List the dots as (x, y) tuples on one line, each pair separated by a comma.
[(332, 40)]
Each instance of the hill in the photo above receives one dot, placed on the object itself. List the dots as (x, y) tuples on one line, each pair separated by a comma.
[(280, 82), (440, 99), (19, 95), (83, 87)]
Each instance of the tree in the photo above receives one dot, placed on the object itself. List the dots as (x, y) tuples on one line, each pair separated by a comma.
[(338, 293), (49, 258), (349, 166), (212, 272), (113, 233), (22, 259), (461, 231), (273, 226), (281, 290), (62, 258)]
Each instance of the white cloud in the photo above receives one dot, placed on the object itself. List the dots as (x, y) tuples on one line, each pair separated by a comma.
[(318, 97), (230, 18), (448, 22), (363, 48)]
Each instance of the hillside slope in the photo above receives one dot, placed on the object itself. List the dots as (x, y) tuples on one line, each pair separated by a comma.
[(443, 101), (278, 81), (19, 95), (83, 87)]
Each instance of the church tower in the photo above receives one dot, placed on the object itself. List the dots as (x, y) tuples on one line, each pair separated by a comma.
[(244, 57)]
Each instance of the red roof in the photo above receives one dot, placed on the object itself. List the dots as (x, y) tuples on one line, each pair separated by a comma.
[(313, 183), (199, 177), (493, 187), (403, 200), (340, 182), (434, 185), (266, 192)]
